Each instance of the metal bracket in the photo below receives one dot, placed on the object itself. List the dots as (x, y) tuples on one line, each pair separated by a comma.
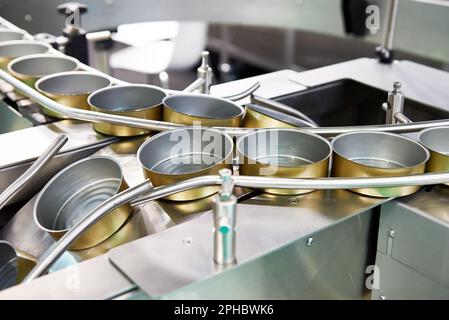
[(394, 107), (205, 74), (224, 216)]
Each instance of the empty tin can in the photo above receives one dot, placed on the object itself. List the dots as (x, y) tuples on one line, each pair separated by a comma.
[(376, 154), (185, 153), (202, 109), (70, 89), (8, 35), (437, 141), (134, 100), (10, 50), (30, 68), (284, 153), (74, 192)]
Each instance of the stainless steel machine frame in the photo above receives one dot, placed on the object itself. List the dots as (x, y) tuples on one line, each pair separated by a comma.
[(117, 255)]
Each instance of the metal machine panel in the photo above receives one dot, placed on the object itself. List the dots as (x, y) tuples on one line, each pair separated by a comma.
[(399, 281), (309, 248), (11, 120), (333, 267), (413, 256)]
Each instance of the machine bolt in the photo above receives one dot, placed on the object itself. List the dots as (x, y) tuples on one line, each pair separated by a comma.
[(396, 87), (310, 241), (293, 200), (391, 233), (187, 241)]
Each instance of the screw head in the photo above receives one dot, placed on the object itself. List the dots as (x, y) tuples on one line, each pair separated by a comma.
[(391, 233), (293, 200), (187, 241), (310, 241)]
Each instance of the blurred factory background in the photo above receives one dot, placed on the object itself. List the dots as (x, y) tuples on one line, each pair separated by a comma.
[(245, 37)]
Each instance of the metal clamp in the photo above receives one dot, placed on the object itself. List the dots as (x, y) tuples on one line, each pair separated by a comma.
[(225, 204), (394, 106), (204, 81), (205, 74)]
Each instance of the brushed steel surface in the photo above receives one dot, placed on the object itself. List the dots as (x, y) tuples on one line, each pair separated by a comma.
[(11, 120), (135, 100), (176, 264), (370, 154), (400, 282), (413, 264), (333, 267), (92, 279)]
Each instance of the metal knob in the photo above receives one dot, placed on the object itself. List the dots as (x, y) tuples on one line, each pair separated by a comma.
[(73, 12)]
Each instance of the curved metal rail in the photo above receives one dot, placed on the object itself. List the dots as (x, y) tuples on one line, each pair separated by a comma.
[(56, 250), (42, 161)]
